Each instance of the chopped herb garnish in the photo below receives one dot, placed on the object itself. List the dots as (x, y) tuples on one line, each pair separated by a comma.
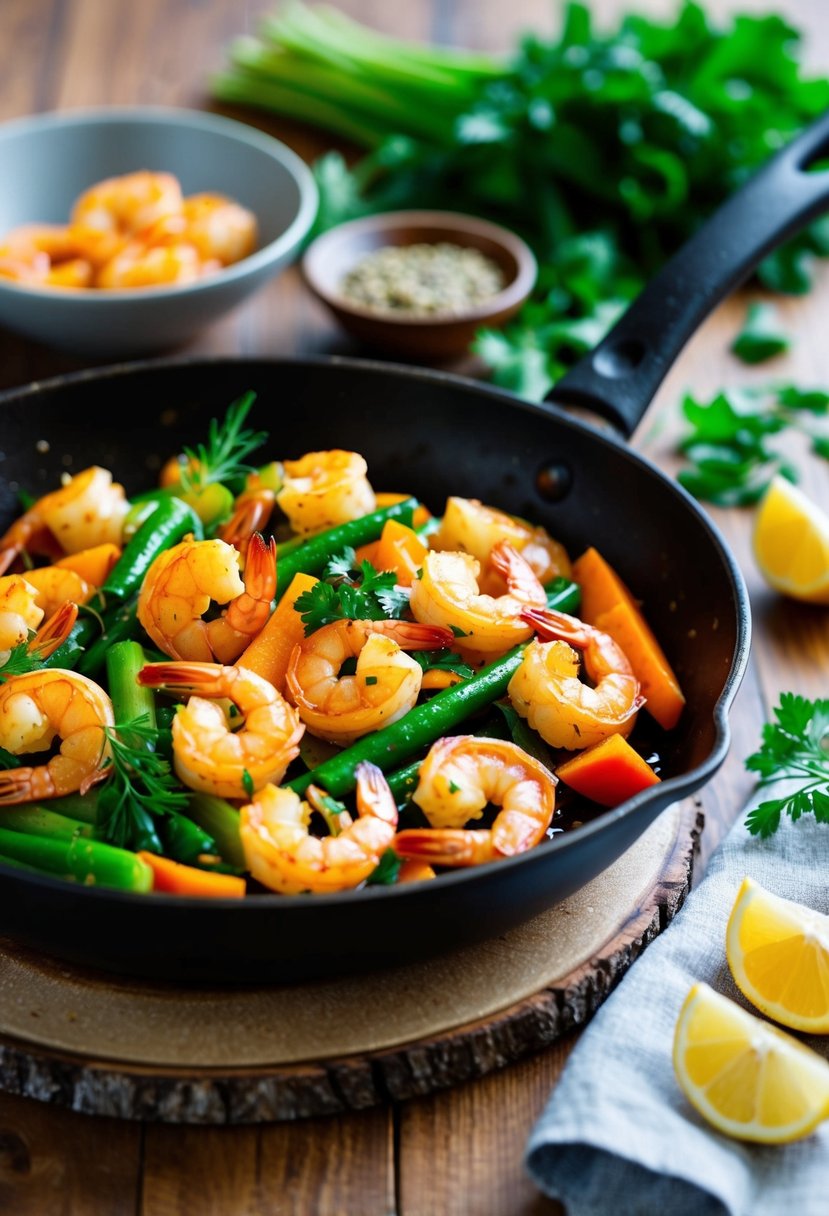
[(794, 748), (247, 783), (228, 444), (140, 787), (453, 788), (351, 590), (458, 632), (761, 337), (371, 680), (442, 660)]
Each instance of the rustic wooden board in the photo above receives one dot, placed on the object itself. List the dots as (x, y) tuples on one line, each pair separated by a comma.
[(52, 1018)]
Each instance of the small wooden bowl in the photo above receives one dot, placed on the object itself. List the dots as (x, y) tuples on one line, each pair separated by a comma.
[(331, 256)]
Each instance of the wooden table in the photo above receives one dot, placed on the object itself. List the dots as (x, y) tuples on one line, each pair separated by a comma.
[(459, 1152)]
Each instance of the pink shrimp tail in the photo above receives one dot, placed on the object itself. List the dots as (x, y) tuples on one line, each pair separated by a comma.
[(250, 517), (411, 635), (182, 677), (557, 626), (374, 797), (522, 581), (24, 785), (442, 846), (54, 632)]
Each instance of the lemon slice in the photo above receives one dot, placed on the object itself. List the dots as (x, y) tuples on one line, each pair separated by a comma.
[(748, 1079), (791, 543), (778, 952)]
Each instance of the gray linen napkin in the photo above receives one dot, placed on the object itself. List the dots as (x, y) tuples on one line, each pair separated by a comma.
[(618, 1136)]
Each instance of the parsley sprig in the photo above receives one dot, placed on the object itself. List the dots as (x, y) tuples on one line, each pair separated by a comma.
[(141, 787), (731, 461), (228, 444), (24, 658), (795, 747), (442, 660), (351, 590)]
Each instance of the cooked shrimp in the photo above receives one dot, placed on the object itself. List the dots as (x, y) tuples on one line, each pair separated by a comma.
[(383, 688), (88, 510), (282, 855), (19, 613), (323, 489), (470, 527), (461, 776), (56, 585), (37, 708), (142, 265), (180, 585), (218, 229), (207, 754), (128, 203), (547, 691), (448, 594)]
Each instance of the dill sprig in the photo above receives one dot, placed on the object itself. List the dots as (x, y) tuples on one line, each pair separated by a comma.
[(140, 787), (228, 444)]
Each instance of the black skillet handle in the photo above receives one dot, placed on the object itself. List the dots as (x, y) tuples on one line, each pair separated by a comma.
[(619, 378)]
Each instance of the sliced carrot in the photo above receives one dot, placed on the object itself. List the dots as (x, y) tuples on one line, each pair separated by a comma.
[(270, 651), (609, 605), (177, 879), (368, 553), (400, 549), (415, 871), (93, 565), (608, 773), (435, 677), (421, 514)]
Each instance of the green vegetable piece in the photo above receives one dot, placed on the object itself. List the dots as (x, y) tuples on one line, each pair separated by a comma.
[(183, 839), (118, 624), (220, 821), (387, 871), (167, 525), (43, 821), (761, 337), (85, 861)]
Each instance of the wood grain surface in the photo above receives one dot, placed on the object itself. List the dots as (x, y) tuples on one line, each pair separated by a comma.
[(458, 1152)]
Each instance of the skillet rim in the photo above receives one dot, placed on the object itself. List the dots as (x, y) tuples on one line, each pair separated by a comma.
[(680, 786)]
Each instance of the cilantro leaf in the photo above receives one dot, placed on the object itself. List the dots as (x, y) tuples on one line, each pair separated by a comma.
[(795, 748), (442, 660), (351, 591), (761, 337)]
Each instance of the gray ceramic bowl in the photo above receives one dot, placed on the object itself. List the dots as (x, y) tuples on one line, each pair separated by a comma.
[(50, 159)]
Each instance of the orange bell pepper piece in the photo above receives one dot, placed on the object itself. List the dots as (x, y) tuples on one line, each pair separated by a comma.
[(368, 552), (608, 772), (415, 871), (178, 879), (270, 651), (608, 604), (93, 565), (435, 677), (400, 549), (421, 514)]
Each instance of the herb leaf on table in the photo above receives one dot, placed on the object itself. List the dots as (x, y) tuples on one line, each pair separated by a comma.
[(761, 337), (795, 747)]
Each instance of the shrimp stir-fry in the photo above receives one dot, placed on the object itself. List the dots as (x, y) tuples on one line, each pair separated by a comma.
[(547, 691), (282, 854), (211, 756), (182, 582), (448, 594), (37, 708), (384, 686), (459, 778), (380, 633)]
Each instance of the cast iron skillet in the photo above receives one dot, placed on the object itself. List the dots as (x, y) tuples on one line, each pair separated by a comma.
[(434, 434)]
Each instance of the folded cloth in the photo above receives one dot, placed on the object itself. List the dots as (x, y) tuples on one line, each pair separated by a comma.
[(618, 1135)]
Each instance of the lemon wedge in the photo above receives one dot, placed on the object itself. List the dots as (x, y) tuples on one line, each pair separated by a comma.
[(778, 952), (747, 1078), (791, 543)]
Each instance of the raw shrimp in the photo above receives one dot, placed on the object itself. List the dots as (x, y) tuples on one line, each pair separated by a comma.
[(470, 527), (383, 688), (88, 510), (56, 585), (128, 203), (283, 856), (323, 489), (460, 776), (547, 691), (19, 613), (210, 756), (40, 706), (448, 594), (180, 585)]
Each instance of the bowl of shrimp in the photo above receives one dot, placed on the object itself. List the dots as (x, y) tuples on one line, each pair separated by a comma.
[(129, 230)]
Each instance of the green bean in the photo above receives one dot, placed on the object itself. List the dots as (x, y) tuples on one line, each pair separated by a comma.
[(221, 820), (394, 744), (183, 839), (43, 821), (86, 861), (311, 557), (81, 807), (117, 626), (170, 521), (563, 595), (130, 699)]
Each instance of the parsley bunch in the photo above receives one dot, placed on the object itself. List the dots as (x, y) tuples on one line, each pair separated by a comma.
[(795, 747), (351, 590), (731, 461)]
